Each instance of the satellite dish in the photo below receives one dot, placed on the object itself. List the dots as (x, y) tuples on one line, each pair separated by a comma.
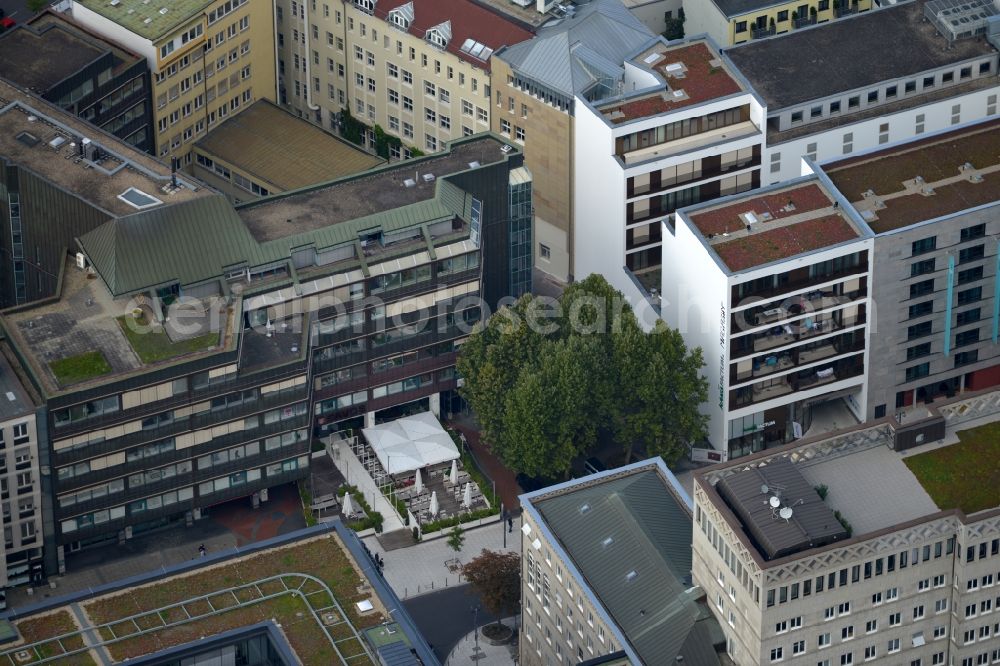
[(774, 502), (764, 489), (786, 512)]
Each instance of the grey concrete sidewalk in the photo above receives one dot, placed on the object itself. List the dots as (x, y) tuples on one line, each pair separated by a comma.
[(423, 567), (481, 653), (91, 569)]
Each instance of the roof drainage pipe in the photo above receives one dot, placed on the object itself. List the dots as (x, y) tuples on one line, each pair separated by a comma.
[(306, 59)]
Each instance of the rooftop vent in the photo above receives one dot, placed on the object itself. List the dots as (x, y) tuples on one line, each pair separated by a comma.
[(474, 164), (428, 177), (652, 57), (163, 10), (11, 396), (607, 541), (409, 182), (675, 69), (505, 149), (115, 3), (584, 508), (147, 21), (30, 140), (631, 576)]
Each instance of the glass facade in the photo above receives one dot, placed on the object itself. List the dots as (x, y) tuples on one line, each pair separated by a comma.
[(520, 238)]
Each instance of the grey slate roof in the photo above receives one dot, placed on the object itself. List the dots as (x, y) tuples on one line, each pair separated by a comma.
[(650, 532), (565, 53), (812, 523)]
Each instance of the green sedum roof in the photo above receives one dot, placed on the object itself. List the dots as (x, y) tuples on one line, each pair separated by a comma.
[(134, 14)]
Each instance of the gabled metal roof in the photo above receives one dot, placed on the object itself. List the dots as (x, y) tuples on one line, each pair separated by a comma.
[(630, 539), (605, 27), (189, 243)]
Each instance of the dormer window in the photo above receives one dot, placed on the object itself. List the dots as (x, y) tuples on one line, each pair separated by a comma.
[(402, 16), (367, 6), (440, 35)]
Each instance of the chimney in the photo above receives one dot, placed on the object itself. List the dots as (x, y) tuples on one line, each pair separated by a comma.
[(173, 172)]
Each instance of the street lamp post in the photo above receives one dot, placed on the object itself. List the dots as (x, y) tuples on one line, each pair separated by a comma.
[(475, 626)]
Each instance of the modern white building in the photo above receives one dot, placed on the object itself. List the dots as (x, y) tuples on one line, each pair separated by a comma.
[(679, 127), (836, 89), (774, 286)]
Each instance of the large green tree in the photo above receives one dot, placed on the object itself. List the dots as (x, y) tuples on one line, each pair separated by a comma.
[(549, 381)]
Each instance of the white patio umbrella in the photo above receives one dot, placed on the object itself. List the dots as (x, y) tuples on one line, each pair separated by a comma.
[(453, 475), (419, 483), (347, 507), (434, 508), (467, 496)]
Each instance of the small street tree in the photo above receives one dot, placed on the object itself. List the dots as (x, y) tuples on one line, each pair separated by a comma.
[(496, 577), (456, 539)]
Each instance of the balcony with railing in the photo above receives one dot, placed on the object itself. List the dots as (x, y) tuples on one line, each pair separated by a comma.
[(801, 281), (797, 309), (668, 178), (812, 326), (775, 387), (747, 369)]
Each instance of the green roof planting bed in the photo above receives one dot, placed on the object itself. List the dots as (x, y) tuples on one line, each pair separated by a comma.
[(309, 588), (965, 475), (53, 635), (151, 343), (73, 369)]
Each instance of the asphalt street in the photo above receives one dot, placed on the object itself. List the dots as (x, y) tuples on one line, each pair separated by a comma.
[(16, 9), (444, 617)]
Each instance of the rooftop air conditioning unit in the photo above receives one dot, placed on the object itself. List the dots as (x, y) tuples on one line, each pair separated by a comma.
[(81, 261), (505, 149)]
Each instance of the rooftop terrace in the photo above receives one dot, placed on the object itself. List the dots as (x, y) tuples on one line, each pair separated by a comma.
[(868, 485), (693, 72), (848, 54), (149, 19), (379, 191), (87, 336), (923, 180), (46, 141), (773, 224), (287, 152)]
